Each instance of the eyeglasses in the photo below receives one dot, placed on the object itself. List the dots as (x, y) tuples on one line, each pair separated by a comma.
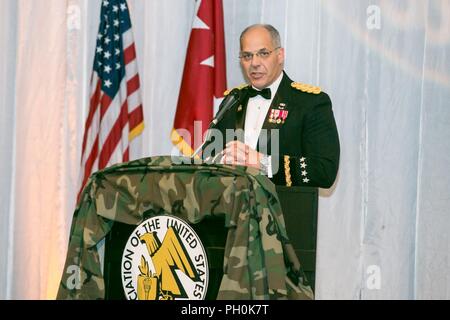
[(263, 54)]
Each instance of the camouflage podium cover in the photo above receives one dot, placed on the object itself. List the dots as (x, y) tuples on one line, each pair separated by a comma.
[(259, 262)]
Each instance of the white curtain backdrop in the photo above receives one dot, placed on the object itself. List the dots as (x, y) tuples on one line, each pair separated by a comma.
[(384, 226)]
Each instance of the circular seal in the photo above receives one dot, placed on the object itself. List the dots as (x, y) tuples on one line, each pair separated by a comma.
[(164, 259)]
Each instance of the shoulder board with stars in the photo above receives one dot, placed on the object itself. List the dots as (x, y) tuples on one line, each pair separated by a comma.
[(242, 86), (306, 88)]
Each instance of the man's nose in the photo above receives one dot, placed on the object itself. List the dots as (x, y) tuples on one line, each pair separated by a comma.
[(256, 60)]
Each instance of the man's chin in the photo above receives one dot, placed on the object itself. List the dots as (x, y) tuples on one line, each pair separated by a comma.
[(258, 84)]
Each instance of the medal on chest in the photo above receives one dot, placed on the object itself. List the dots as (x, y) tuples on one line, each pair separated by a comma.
[(278, 115)]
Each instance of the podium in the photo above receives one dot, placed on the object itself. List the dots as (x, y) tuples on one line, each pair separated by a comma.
[(300, 211), (235, 211)]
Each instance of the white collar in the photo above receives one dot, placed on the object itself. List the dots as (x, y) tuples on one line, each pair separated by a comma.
[(274, 86)]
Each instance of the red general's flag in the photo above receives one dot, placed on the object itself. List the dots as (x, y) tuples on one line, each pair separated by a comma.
[(115, 112), (204, 76)]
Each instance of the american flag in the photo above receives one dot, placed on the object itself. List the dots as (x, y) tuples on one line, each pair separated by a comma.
[(115, 113)]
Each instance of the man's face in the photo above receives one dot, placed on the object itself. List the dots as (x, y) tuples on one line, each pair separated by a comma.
[(261, 72)]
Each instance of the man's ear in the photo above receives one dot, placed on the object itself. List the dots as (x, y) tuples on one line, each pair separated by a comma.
[(281, 55)]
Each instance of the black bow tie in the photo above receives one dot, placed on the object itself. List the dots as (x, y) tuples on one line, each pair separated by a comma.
[(265, 93)]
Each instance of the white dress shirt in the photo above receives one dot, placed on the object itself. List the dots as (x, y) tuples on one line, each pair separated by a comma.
[(257, 109)]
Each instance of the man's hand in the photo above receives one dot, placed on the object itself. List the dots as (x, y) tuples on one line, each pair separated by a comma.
[(238, 153)]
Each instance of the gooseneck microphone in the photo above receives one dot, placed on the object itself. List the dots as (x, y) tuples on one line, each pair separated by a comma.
[(231, 100), (228, 103)]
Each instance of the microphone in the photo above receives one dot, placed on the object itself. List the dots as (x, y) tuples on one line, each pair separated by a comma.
[(233, 98), (227, 104)]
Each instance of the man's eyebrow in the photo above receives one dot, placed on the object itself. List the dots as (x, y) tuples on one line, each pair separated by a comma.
[(255, 50)]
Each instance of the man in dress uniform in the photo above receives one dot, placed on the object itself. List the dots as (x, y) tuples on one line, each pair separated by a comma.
[(287, 130), (306, 151)]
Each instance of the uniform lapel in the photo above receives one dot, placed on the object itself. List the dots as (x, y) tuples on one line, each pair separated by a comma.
[(279, 102), (241, 111)]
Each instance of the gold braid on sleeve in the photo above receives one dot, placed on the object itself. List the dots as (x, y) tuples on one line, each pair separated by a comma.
[(287, 171)]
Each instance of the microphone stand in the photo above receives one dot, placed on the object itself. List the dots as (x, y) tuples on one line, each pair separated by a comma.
[(208, 136), (228, 103)]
